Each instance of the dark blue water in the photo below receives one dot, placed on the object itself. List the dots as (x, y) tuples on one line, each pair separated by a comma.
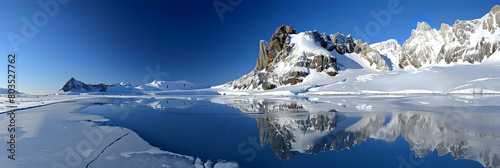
[(213, 131)]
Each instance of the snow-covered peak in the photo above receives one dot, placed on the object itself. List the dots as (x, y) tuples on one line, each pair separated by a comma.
[(423, 26), (156, 83), (424, 29), (422, 48), (494, 14), (124, 84), (386, 46), (491, 21), (304, 42), (390, 51)]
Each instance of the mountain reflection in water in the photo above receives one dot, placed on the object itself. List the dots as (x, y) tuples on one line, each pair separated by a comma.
[(464, 126)]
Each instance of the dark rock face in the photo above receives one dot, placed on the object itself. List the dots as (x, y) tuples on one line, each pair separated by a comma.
[(280, 50), (100, 87), (278, 40), (344, 44), (320, 38), (74, 85), (263, 56)]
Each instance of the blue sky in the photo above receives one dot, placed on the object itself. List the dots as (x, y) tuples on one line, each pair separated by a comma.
[(104, 41)]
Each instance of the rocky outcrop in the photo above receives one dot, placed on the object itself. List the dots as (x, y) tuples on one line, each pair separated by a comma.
[(279, 49), (284, 61), (263, 58), (343, 44), (251, 80), (278, 40), (347, 45), (373, 57), (278, 53), (493, 19)]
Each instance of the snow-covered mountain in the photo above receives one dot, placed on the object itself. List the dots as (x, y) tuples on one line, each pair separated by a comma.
[(76, 86), (390, 51), (291, 58), (465, 42)]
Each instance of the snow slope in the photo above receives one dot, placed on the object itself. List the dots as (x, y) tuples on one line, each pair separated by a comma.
[(462, 79), (494, 59), (440, 80)]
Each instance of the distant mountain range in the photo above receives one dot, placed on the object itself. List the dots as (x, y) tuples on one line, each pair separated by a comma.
[(74, 86), (310, 63), (290, 58), (6, 91)]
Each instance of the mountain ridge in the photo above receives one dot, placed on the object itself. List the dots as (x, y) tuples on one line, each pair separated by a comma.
[(76, 86), (290, 58)]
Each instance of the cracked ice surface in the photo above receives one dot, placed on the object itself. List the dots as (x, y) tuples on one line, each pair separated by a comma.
[(55, 136)]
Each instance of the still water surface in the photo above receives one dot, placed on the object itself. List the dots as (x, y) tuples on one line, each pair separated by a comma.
[(336, 131)]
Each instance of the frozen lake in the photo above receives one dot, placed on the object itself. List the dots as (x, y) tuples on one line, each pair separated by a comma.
[(322, 131)]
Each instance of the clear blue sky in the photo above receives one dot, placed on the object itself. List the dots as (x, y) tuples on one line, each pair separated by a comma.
[(105, 41)]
